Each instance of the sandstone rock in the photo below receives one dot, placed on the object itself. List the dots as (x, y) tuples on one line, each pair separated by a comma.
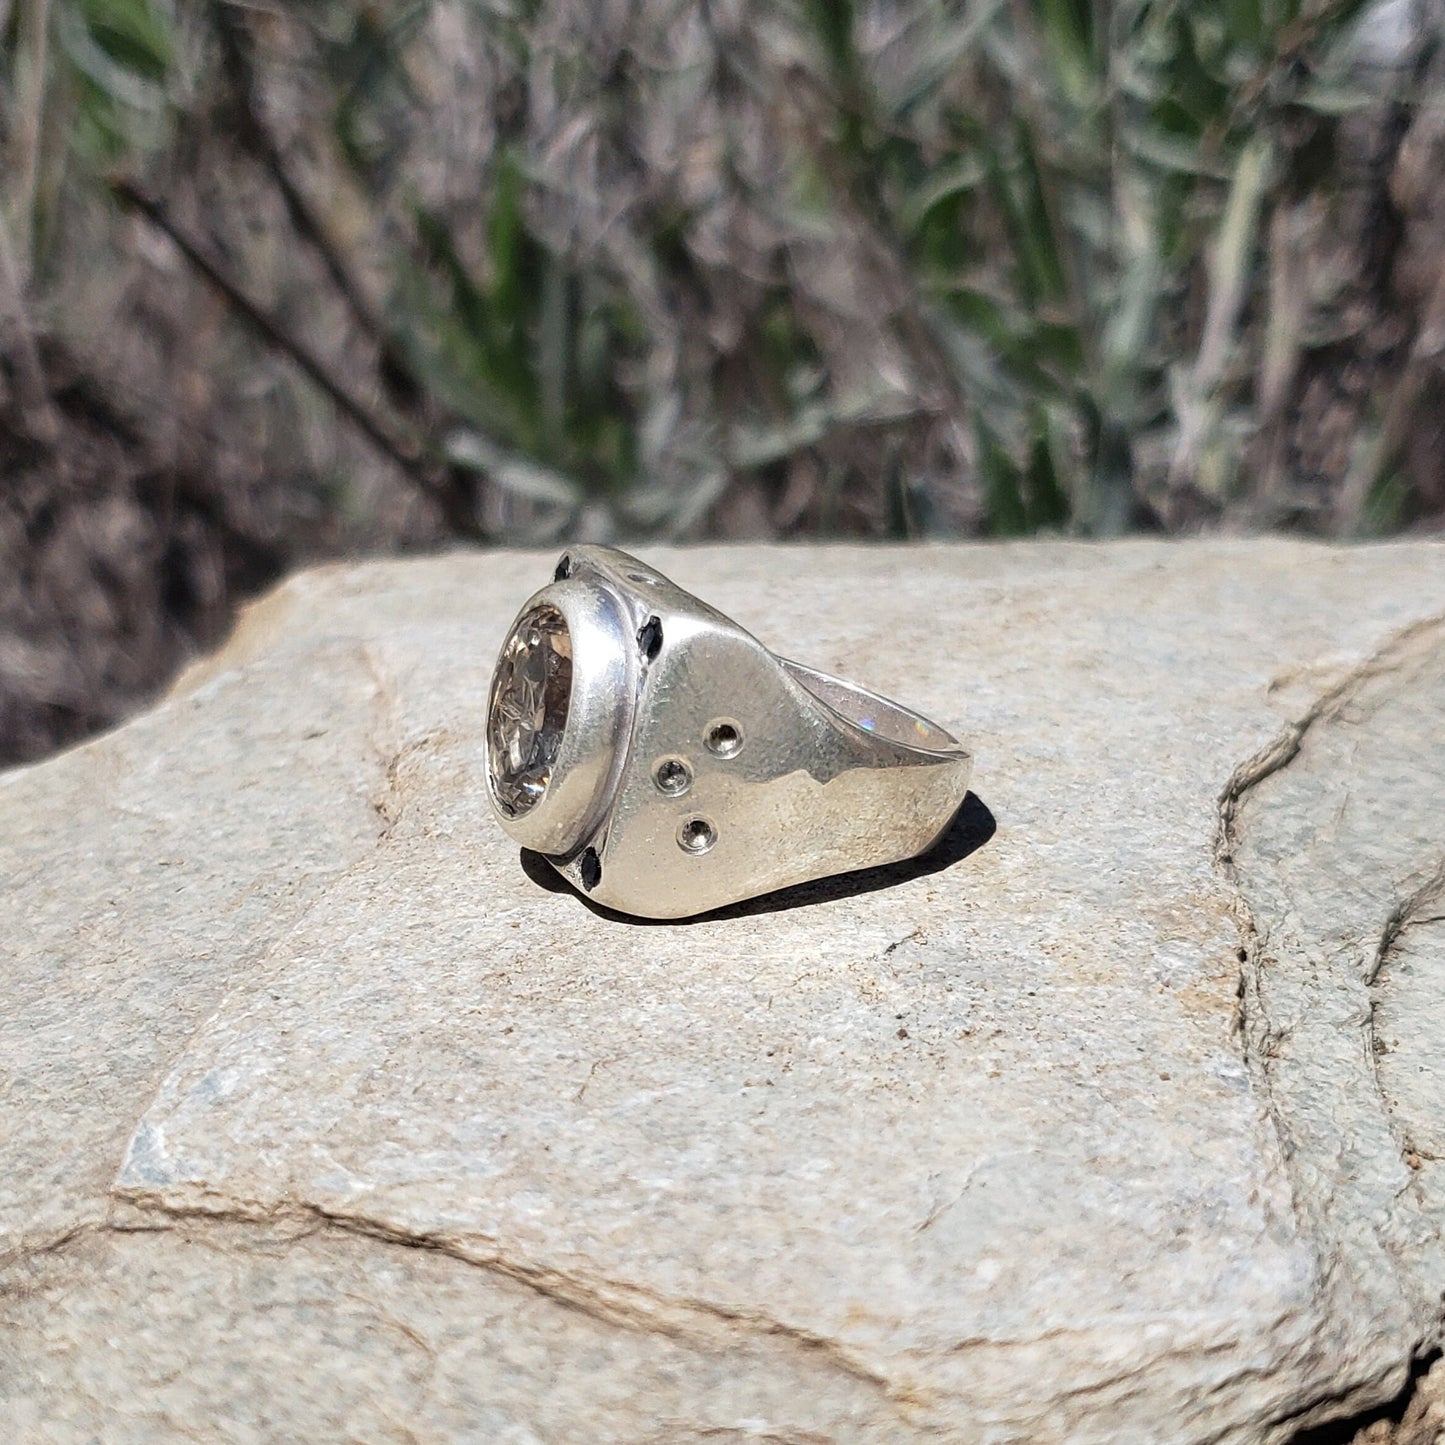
[(1119, 1121)]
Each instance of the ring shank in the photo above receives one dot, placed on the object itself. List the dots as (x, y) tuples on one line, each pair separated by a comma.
[(872, 712)]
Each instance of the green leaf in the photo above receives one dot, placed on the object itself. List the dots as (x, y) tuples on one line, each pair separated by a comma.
[(750, 447), (1243, 23), (135, 34), (507, 244), (1386, 506), (1006, 515), (1174, 152), (1020, 192), (954, 39), (832, 22), (488, 332), (1231, 260), (516, 474), (454, 368), (934, 214), (1066, 28), (1046, 501), (120, 74), (1337, 97)]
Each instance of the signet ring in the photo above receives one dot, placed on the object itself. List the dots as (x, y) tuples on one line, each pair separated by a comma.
[(667, 764)]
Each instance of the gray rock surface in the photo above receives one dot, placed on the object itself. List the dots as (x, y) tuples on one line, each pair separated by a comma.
[(321, 1119)]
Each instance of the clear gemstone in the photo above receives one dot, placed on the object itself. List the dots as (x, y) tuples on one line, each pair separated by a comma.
[(531, 691)]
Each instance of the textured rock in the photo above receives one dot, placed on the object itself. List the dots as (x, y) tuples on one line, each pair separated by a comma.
[(321, 1115)]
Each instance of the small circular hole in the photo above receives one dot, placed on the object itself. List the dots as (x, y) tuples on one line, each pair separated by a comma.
[(696, 835), (649, 638), (672, 776), (724, 737), (564, 569)]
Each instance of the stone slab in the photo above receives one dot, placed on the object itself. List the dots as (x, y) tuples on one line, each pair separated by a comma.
[(1083, 1136)]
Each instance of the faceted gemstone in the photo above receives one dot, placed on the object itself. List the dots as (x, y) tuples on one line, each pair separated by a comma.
[(531, 691)]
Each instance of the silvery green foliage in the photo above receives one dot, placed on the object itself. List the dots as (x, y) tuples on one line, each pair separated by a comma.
[(820, 266)]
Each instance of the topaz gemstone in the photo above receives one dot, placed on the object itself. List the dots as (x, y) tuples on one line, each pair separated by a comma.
[(531, 693)]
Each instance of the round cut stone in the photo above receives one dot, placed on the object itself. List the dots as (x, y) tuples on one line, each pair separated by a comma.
[(531, 691)]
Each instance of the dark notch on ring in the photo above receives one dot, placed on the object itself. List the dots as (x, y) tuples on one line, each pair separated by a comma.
[(590, 867), (649, 638), (564, 569)]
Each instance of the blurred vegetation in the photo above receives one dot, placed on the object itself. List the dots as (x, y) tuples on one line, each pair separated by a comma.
[(297, 280)]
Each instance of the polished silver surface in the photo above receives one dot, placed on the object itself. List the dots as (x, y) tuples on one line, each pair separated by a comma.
[(687, 767)]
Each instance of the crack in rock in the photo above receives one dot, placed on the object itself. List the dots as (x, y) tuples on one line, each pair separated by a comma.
[(611, 1301), (1332, 835), (473, 1351)]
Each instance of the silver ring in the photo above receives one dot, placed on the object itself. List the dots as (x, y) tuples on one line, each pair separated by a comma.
[(667, 764)]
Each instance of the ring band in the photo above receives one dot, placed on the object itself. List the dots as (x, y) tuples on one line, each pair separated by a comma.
[(667, 764)]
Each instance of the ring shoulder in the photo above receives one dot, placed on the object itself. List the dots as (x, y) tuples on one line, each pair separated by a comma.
[(741, 778)]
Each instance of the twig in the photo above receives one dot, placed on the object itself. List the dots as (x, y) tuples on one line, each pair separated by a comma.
[(35, 404), (1373, 458), (255, 134), (435, 481), (34, 47)]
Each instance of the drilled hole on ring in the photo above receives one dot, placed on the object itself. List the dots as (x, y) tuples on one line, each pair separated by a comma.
[(696, 835), (590, 868), (724, 737), (649, 638), (564, 569), (672, 776)]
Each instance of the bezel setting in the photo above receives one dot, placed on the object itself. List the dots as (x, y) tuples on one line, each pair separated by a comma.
[(599, 718)]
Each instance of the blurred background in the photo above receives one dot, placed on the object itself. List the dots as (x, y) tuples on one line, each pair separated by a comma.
[(281, 282)]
